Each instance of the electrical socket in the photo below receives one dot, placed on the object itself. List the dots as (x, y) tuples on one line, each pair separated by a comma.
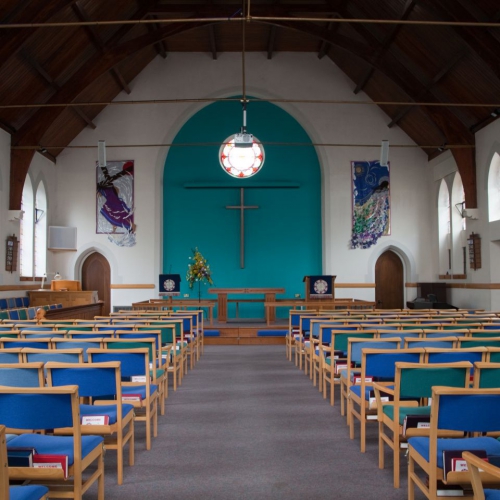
[(297, 295), (186, 295)]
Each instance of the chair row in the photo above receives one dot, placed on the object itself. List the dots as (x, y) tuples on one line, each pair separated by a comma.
[(14, 302), (397, 383), (25, 313), (117, 391)]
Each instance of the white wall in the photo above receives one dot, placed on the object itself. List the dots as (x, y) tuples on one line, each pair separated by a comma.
[(292, 76)]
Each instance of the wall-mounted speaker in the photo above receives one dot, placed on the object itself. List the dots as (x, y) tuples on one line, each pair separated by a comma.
[(62, 238)]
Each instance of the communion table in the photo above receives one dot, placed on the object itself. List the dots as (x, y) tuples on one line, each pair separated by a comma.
[(222, 293)]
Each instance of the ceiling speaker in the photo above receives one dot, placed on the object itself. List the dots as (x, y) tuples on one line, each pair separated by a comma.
[(101, 154), (384, 153)]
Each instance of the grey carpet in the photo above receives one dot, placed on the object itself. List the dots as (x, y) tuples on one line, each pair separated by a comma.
[(247, 424)]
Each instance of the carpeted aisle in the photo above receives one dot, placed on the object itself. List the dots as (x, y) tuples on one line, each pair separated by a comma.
[(247, 424)]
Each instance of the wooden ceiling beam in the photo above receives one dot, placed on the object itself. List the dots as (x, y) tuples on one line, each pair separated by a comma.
[(479, 41), (8, 128), (11, 41), (325, 46), (34, 129), (160, 47), (386, 43), (213, 42), (271, 40), (55, 87), (97, 41), (221, 10), (437, 78), (446, 122)]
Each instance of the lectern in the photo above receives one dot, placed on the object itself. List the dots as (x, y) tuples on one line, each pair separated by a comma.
[(320, 287)]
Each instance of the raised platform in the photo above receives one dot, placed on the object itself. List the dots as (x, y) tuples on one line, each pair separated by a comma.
[(246, 332)]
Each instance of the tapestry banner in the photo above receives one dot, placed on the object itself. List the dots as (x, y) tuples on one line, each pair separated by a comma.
[(371, 214), (115, 202)]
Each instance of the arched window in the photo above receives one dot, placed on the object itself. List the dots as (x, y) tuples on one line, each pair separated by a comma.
[(458, 227), (33, 231), (26, 230), (444, 224), (494, 189), (40, 246)]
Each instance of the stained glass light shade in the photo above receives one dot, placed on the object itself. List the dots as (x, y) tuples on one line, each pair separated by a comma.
[(241, 162)]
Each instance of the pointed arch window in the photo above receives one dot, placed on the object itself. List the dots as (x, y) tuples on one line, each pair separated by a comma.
[(494, 189), (33, 231)]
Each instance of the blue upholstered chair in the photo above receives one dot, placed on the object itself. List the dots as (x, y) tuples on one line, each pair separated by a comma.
[(101, 383), (472, 411), (53, 408), (142, 395), (355, 348), (337, 353), (30, 492), (380, 364), (478, 467)]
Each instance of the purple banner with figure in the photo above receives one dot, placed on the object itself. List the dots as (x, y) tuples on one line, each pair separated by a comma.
[(371, 209), (115, 202)]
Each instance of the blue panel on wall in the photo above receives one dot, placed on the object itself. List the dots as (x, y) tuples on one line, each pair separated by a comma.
[(282, 236)]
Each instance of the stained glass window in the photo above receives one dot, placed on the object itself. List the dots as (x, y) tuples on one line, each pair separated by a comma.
[(241, 162)]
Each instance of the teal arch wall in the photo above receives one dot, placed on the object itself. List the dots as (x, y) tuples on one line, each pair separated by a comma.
[(283, 240)]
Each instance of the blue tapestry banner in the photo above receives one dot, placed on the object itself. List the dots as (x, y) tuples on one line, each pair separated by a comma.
[(170, 285), (370, 203), (320, 287)]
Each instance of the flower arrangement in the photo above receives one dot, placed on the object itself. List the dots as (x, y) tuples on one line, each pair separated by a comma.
[(198, 270)]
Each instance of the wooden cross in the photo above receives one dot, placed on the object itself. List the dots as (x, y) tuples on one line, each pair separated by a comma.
[(241, 207)]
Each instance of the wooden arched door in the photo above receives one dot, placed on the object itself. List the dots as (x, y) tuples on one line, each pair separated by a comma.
[(96, 275), (389, 281)]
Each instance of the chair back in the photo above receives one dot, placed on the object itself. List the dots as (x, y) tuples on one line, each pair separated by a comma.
[(465, 342), (44, 408), (355, 347), (93, 380), (486, 375), (171, 330), (46, 355), (381, 363), (339, 338), (13, 355), (472, 355), (133, 361), (22, 374), (467, 410), (440, 342), (415, 380), (77, 343)]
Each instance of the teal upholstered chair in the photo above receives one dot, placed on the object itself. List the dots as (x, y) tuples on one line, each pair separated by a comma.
[(410, 396)]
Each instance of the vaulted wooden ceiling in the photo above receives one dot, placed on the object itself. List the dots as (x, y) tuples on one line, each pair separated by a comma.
[(61, 61)]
